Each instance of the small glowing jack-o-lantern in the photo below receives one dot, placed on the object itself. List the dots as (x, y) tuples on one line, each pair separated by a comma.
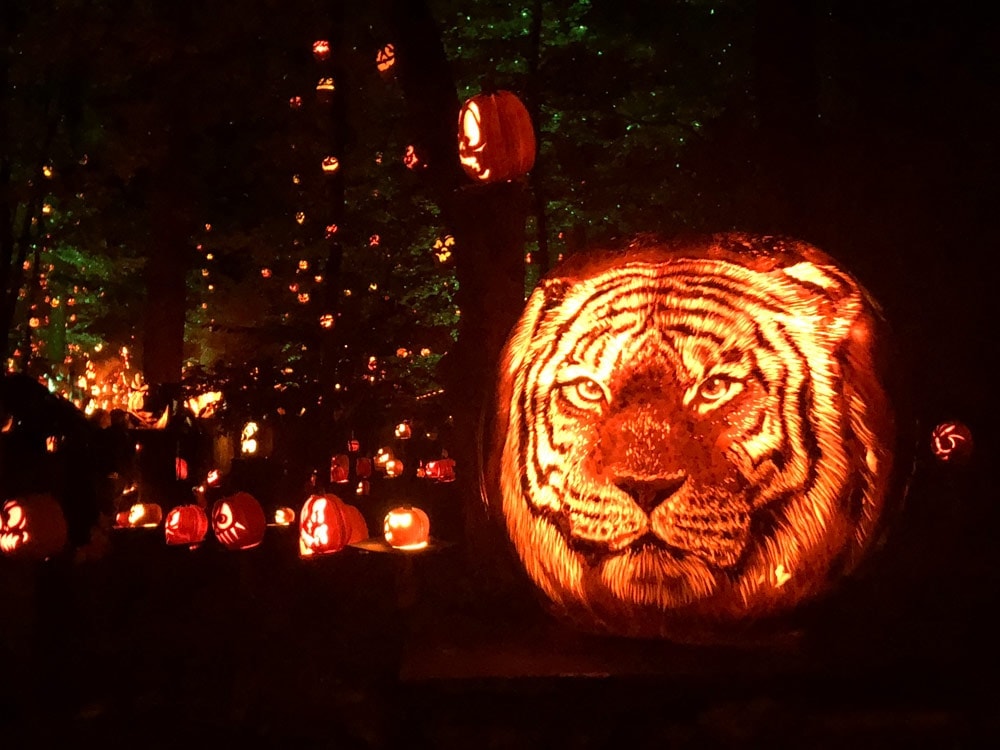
[(321, 49), (255, 440), (442, 470), (238, 521), (330, 164), (284, 517), (382, 457), (407, 528), (951, 442), (186, 524), (694, 436), (363, 467), (393, 468), (32, 527), (385, 59), (327, 524), (140, 516), (340, 469), (496, 141), (403, 431)]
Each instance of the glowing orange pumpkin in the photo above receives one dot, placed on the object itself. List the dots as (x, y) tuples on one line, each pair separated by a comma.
[(32, 527), (327, 524), (385, 59), (186, 524), (238, 521), (140, 515), (951, 442), (496, 141), (340, 469), (442, 470), (407, 528), (284, 517), (692, 436)]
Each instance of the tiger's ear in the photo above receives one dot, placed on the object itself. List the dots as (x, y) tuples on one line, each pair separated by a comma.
[(821, 297)]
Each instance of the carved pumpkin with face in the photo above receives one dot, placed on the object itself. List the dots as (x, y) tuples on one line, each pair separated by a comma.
[(951, 442), (32, 527), (140, 516), (328, 524), (496, 141), (693, 435), (186, 524), (238, 521), (407, 528)]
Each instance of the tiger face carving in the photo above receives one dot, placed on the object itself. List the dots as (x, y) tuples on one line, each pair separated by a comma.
[(693, 433)]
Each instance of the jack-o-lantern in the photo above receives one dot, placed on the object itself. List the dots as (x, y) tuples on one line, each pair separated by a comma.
[(140, 516), (496, 141), (693, 436), (256, 440), (238, 521), (951, 442), (385, 59), (284, 517), (340, 469), (186, 524), (327, 524), (32, 527), (393, 468), (407, 528), (442, 470), (363, 488), (353, 445), (180, 469), (363, 467), (403, 431)]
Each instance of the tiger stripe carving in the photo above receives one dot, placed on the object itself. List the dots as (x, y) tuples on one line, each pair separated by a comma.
[(693, 432)]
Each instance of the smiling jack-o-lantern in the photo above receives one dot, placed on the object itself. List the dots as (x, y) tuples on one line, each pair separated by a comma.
[(693, 436), (238, 521), (328, 524), (186, 524), (385, 59), (496, 141), (407, 528), (32, 527)]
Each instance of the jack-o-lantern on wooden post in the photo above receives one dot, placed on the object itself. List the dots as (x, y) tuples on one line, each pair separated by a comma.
[(694, 436), (496, 140)]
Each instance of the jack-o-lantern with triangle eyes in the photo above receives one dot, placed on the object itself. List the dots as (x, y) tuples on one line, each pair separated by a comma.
[(496, 140), (186, 524), (695, 436), (238, 521), (32, 527)]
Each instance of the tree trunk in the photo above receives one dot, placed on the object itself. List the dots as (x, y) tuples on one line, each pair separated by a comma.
[(488, 223)]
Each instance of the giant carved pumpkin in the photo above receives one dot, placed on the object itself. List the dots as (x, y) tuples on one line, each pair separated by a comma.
[(186, 524), (328, 524), (238, 521), (693, 436), (496, 141), (32, 527)]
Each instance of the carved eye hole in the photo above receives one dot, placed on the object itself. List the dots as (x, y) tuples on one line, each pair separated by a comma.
[(718, 387), (14, 516), (470, 126), (224, 518)]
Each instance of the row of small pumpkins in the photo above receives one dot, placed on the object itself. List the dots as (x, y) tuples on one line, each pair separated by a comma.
[(34, 527), (326, 524)]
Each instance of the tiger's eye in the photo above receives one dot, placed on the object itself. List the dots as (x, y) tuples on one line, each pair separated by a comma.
[(714, 388), (589, 390)]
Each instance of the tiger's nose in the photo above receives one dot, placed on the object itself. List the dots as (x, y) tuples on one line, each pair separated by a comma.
[(649, 493)]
